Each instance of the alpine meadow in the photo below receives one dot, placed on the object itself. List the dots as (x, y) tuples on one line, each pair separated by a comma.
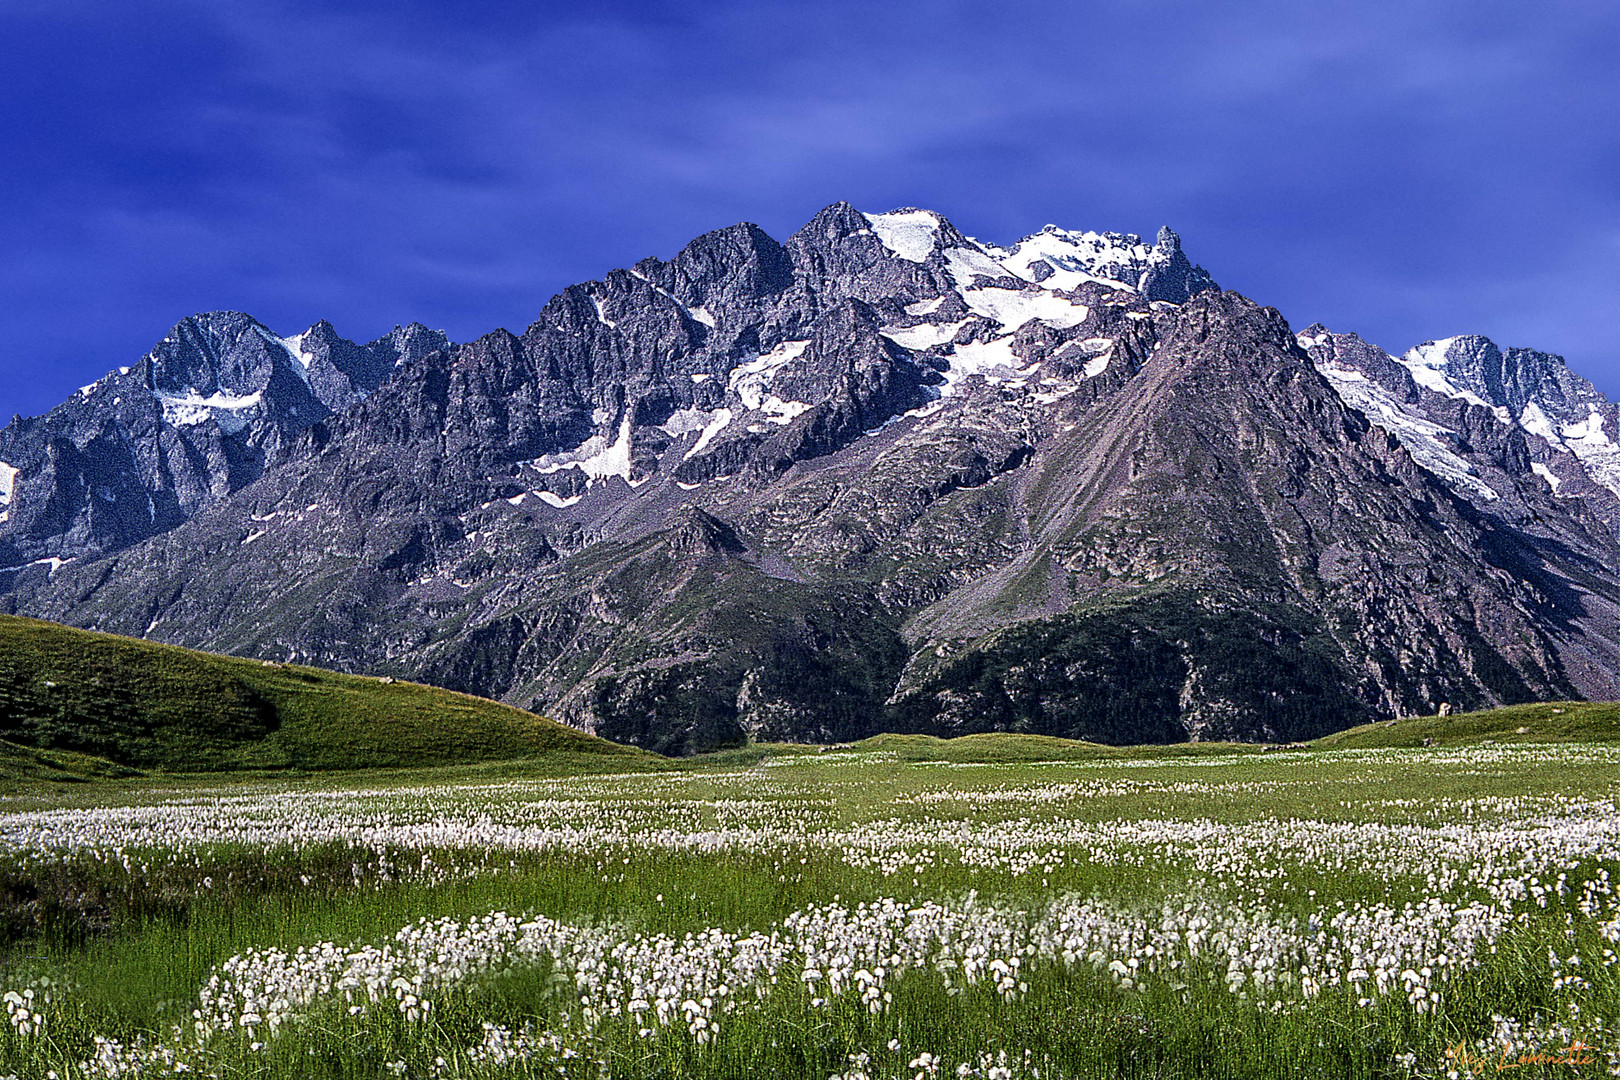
[(992, 906)]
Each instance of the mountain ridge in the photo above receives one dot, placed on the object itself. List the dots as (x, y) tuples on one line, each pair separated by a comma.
[(878, 475), (200, 416)]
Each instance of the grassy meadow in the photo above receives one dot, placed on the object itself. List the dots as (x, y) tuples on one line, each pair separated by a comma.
[(995, 906), (75, 703)]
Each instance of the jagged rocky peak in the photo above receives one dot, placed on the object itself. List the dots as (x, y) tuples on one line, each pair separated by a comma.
[(1053, 258), (1423, 397), (722, 268), (741, 355), (341, 372), (1532, 389), (1471, 365), (212, 405), (215, 352), (219, 366), (944, 259), (1059, 258), (413, 341)]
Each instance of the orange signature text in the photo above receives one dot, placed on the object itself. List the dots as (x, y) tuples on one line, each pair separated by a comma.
[(1462, 1057)]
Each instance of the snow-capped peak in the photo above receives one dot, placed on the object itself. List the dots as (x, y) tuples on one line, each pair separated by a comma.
[(1430, 364), (1060, 259), (1460, 368)]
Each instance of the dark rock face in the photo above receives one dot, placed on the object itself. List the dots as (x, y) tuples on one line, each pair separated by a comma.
[(1488, 421), (202, 415), (877, 477)]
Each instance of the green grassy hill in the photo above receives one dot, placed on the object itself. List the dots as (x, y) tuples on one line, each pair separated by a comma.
[(79, 705), (1548, 721), (66, 693), (1007, 748), (1543, 722)]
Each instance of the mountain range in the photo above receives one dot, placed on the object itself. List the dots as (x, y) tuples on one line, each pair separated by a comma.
[(878, 477)]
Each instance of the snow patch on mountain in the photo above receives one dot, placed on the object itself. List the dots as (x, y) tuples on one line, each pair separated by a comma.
[(1590, 443), (709, 423), (923, 335), (968, 264), (908, 234), (683, 421), (595, 457), (720, 419), (230, 411), (751, 383), (995, 360), (1537, 422), (1074, 258), (8, 484), (295, 349), (1052, 261), (1586, 437), (1430, 445), (1428, 364), (51, 561), (1101, 353), (696, 314), (1014, 309)]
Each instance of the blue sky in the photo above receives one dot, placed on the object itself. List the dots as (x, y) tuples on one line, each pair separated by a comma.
[(1406, 170)]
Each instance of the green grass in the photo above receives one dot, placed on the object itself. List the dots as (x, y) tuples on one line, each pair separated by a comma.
[(993, 748), (1542, 722), (526, 817), (139, 704), (23, 764), (136, 935)]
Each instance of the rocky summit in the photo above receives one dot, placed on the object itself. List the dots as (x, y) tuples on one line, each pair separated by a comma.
[(880, 476)]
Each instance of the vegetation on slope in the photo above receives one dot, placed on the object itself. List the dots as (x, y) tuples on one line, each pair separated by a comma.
[(1542, 722), (1545, 721), (22, 765), (1118, 673), (140, 704)]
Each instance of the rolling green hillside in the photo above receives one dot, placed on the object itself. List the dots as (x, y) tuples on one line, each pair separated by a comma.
[(1543, 722), (1547, 721), (139, 704)]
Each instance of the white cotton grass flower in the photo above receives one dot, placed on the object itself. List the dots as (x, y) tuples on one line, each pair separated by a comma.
[(1466, 873)]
